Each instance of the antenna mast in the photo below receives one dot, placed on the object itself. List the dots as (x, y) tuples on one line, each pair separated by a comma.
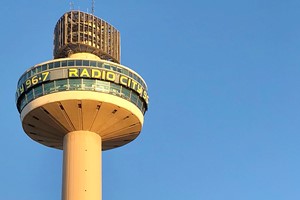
[(93, 7), (71, 5)]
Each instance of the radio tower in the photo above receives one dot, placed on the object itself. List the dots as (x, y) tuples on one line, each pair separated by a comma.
[(83, 101)]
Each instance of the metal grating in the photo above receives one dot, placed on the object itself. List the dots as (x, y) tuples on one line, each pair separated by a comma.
[(78, 32)]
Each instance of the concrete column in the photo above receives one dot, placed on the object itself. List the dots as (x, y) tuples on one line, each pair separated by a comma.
[(82, 166)]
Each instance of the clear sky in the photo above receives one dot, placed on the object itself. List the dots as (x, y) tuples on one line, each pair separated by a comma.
[(223, 79)]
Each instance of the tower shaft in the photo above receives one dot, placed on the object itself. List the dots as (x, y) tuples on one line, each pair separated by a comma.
[(82, 166)]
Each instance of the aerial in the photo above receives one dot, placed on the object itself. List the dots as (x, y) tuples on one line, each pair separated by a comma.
[(223, 116)]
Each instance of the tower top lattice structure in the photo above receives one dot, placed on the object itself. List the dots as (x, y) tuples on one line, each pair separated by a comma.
[(77, 31)]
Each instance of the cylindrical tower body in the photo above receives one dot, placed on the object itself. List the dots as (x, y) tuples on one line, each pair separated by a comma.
[(83, 101), (82, 166)]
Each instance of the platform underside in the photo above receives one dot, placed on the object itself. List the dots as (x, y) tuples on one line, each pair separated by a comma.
[(50, 122)]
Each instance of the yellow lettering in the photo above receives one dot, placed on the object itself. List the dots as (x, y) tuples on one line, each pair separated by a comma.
[(34, 80), (45, 75), (21, 89), (133, 84), (96, 73), (84, 73), (103, 75), (28, 83), (129, 82), (110, 76), (147, 99), (139, 89), (145, 96), (123, 80), (73, 72)]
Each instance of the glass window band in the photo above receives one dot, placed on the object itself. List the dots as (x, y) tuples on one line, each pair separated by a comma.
[(83, 85)]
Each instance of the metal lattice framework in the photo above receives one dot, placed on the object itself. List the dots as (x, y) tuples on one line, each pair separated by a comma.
[(77, 32)]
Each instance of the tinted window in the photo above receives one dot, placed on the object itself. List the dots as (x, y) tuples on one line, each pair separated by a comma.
[(134, 97), (30, 96), (88, 84), (99, 64), (61, 85), (38, 91), (126, 92), (56, 64), (93, 63), (85, 63), (38, 69), (50, 65), (49, 88), (64, 63), (78, 62), (44, 67), (102, 86), (75, 84), (115, 88), (70, 62)]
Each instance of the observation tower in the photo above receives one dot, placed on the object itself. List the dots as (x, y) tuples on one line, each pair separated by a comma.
[(83, 101)]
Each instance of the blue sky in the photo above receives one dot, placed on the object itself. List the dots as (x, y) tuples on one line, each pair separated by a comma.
[(223, 79)]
